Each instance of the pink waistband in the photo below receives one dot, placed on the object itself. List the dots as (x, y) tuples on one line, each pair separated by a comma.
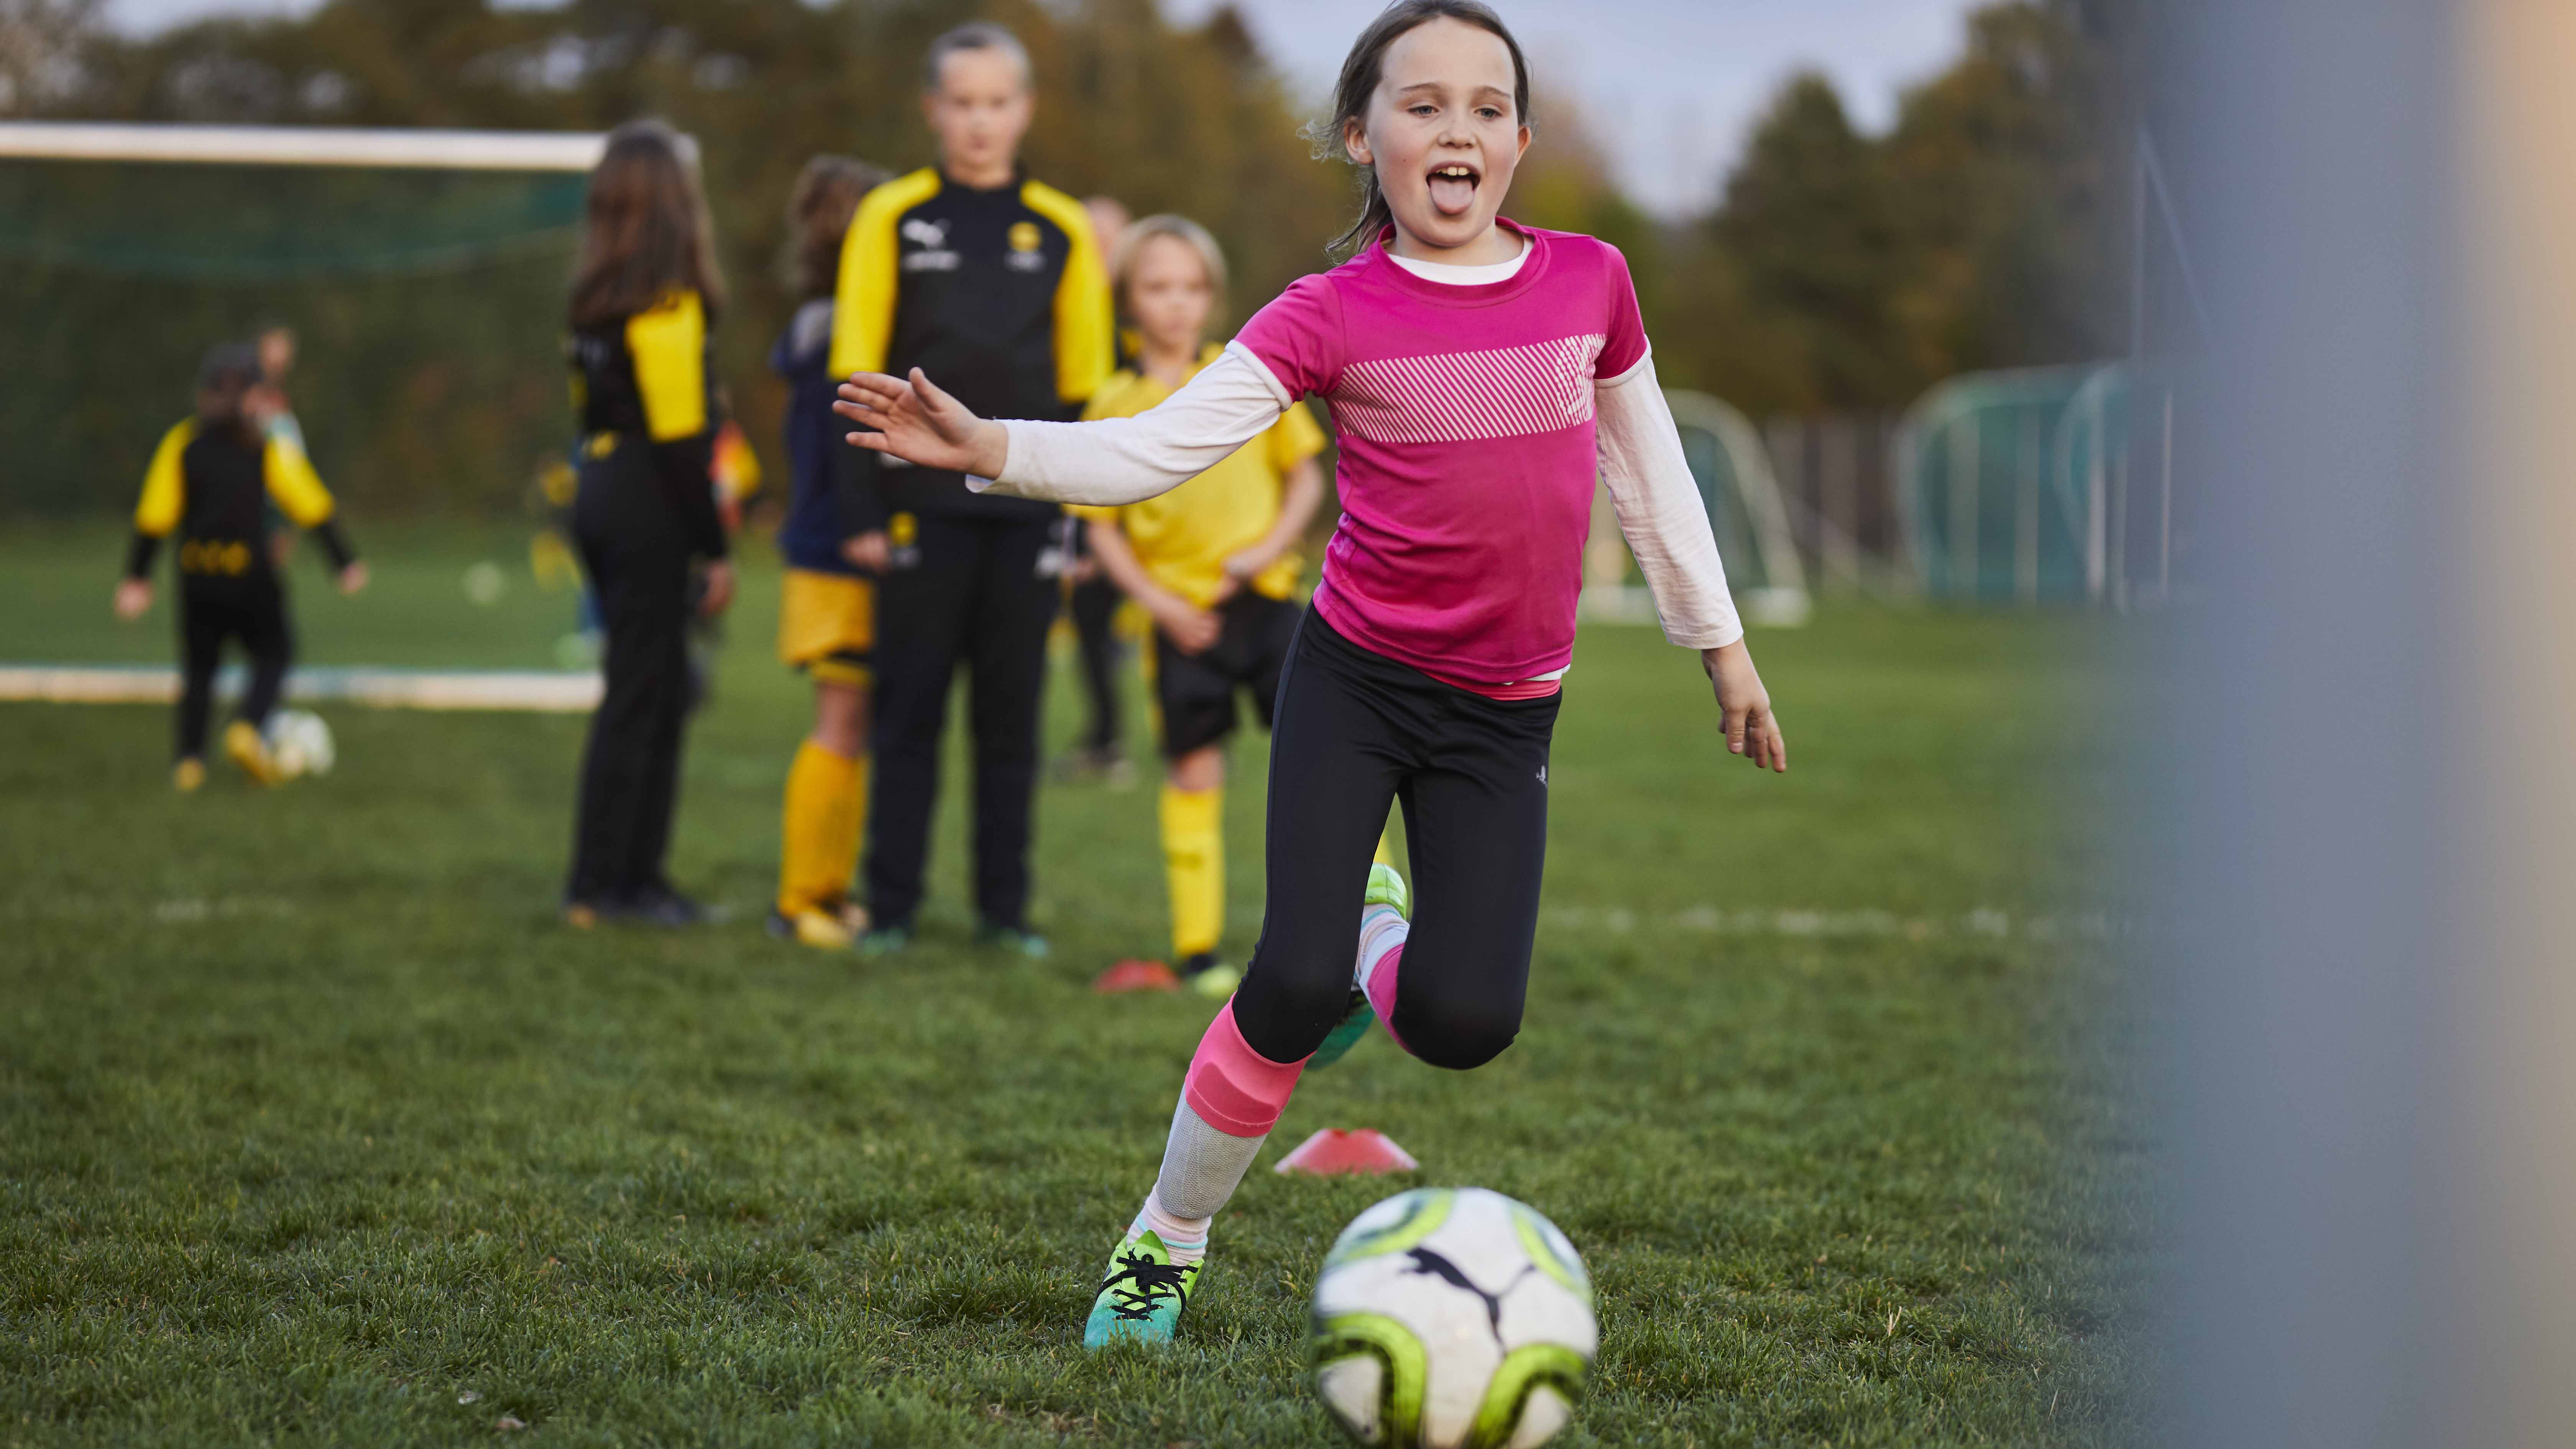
[(1517, 689)]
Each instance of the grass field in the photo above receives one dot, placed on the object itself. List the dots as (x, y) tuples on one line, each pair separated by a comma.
[(313, 1126)]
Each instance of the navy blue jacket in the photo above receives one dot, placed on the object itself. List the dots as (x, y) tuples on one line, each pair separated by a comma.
[(826, 502)]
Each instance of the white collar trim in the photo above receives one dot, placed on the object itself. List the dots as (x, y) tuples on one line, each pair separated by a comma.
[(1451, 274)]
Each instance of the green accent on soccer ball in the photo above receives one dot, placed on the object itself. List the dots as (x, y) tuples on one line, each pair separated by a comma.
[(1540, 1244), (1507, 1393), (1405, 1371), (1426, 1208)]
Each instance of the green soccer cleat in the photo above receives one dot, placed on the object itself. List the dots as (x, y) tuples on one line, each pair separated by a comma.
[(1210, 977), (1385, 888), (1142, 1298), (1013, 939)]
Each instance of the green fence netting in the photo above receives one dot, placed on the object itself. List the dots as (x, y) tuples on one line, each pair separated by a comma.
[(2015, 487), (1745, 509)]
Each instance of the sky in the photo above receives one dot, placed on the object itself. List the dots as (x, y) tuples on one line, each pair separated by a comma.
[(1670, 85)]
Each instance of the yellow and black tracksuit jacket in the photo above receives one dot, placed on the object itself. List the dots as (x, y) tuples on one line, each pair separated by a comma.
[(648, 382), (211, 485), (999, 296)]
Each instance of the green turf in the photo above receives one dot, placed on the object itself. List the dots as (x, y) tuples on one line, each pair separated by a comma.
[(313, 1125)]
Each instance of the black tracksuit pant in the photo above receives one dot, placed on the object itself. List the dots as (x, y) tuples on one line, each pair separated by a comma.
[(967, 591), (249, 607), (633, 546), (1354, 731)]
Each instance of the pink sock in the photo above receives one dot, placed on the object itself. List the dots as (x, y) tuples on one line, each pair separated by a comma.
[(1233, 1088)]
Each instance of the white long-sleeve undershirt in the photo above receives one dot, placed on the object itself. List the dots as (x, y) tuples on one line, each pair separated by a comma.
[(1660, 511), (1116, 461)]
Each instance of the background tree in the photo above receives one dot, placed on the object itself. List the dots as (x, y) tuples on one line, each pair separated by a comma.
[(1845, 271), (45, 48)]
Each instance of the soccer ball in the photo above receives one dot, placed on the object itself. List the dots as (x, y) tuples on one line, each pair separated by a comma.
[(1452, 1317), (300, 742)]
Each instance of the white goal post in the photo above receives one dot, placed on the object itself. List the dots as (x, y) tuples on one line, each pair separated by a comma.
[(396, 147)]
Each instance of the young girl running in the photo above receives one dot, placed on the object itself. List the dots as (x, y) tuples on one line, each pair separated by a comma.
[(1479, 374), (1214, 565)]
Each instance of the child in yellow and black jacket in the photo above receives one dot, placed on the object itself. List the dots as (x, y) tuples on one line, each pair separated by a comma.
[(211, 482)]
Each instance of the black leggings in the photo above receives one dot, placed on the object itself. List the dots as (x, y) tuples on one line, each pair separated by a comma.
[(1354, 731), (252, 609), (637, 555)]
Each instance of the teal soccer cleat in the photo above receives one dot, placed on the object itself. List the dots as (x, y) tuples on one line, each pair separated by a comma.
[(1385, 888), (1142, 1298)]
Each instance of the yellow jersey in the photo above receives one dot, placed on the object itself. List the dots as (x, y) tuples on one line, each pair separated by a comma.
[(1184, 537)]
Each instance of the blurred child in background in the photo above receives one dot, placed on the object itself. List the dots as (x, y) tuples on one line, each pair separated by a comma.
[(644, 296), (974, 269), (211, 482), (827, 602), (271, 409), (275, 412), (1212, 562)]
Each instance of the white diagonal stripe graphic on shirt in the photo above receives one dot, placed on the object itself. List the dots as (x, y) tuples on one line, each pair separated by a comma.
[(1455, 397)]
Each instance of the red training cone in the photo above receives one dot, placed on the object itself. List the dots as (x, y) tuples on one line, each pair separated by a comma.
[(1358, 1150), (1133, 975)]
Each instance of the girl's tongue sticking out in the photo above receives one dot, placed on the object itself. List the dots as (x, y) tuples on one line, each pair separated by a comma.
[(1453, 189)]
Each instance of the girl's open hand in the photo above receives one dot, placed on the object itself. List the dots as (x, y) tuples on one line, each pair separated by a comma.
[(1751, 729), (918, 423)]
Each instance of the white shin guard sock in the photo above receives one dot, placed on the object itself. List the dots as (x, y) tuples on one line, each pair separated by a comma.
[(1382, 929), (1201, 1169)]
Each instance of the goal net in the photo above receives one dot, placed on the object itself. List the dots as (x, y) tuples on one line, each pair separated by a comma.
[(422, 272)]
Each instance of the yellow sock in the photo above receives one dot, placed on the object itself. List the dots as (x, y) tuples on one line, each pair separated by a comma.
[(849, 819), (819, 845), (1194, 857)]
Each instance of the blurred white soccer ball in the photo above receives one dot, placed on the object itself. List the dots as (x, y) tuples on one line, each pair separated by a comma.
[(485, 583), (1448, 1317), (300, 742)]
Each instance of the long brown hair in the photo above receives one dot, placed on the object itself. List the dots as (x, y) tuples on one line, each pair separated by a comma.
[(818, 217), (1365, 66), (645, 233)]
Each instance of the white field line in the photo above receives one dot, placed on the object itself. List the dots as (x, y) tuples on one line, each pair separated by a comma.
[(539, 690), (1986, 924), (1983, 922)]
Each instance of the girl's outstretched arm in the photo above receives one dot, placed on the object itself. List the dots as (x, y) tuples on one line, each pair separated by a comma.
[(1666, 525), (1109, 462)]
